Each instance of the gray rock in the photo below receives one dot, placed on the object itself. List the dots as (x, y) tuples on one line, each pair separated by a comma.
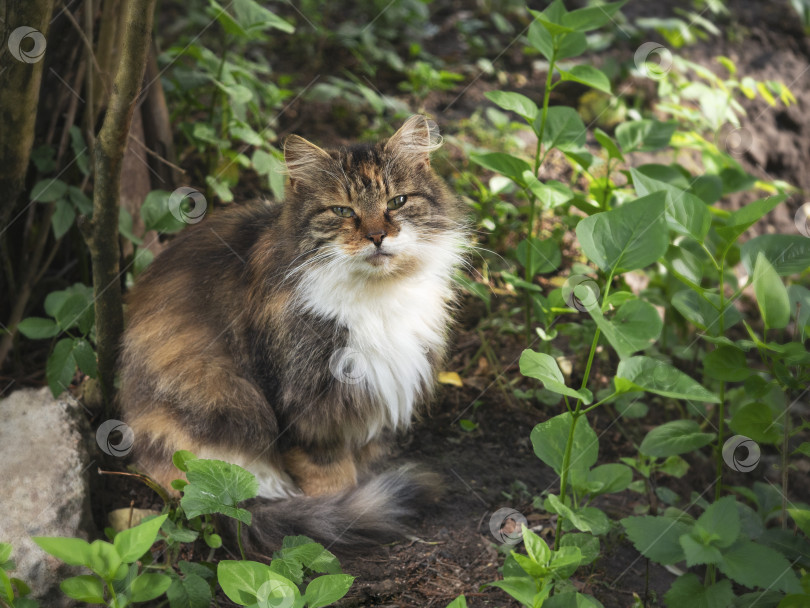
[(44, 474)]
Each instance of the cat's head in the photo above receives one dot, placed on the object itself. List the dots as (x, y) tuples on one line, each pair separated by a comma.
[(374, 210)]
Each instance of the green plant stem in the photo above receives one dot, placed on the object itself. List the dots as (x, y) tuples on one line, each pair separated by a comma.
[(603, 401), (784, 456), (239, 538)]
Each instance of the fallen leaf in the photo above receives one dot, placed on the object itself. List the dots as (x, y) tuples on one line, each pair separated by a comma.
[(450, 378)]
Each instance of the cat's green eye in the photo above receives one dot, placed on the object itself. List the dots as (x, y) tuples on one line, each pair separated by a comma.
[(343, 211), (397, 201)]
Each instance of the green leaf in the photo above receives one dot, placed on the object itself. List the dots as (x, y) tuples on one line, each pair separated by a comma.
[(73, 310), (698, 553), (148, 586), (544, 367), (72, 551), (608, 144), (585, 519), (551, 193), (588, 75), (703, 311), (688, 590), (191, 591), (755, 420), (253, 17), (545, 255), (156, 214), (459, 602), (38, 328), (802, 519), (800, 304), (654, 376), (745, 217), (726, 363), (134, 542), (721, 519), (587, 544), (685, 213), (125, 228), (514, 102), (85, 588), (85, 357), (657, 537), (62, 219), (644, 135), (675, 437), (592, 17), (246, 582), (540, 38), (787, 253), (216, 487), (48, 191), (609, 478), (571, 44), (522, 588), (772, 296), (103, 559), (753, 565), (80, 201), (327, 589), (180, 457), (564, 129), (506, 164), (549, 439), (311, 554), (627, 238), (61, 366), (536, 548), (634, 327)]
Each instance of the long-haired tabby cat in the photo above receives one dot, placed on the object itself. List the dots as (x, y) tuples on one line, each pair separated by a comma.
[(292, 338)]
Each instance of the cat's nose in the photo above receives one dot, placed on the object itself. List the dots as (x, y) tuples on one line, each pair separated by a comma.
[(376, 237)]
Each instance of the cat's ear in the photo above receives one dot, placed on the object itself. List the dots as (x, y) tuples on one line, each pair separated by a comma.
[(415, 140), (303, 159)]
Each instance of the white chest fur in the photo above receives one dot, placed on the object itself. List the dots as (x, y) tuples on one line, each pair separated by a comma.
[(391, 323)]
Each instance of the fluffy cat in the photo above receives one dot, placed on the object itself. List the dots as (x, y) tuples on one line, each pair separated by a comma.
[(292, 338)]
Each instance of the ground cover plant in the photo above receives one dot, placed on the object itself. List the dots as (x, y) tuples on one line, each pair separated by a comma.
[(632, 347)]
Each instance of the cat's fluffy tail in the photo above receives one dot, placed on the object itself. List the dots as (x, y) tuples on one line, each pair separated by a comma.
[(373, 512)]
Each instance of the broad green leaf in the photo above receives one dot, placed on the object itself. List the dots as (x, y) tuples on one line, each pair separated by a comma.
[(536, 548), (609, 478), (654, 376), (685, 213), (311, 554), (566, 560), (755, 420), (644, 135), (745, 217), (327, 589), (61, 366), (85, 357), (634, 327), (48, 191), (627, 238), (134, 542), (564, 129), (217, 487), (544, 367), (800, 304), (505, 164), (540, 38), (686, 264), (514, 102), (587, 544), (675, 437), (56, 299), (608, 144), (246, 582), (688, 590), (551, 193), (180, 457), (191, 591), (85, 588), (592, 17), (103, 559), (698, 553), (703, 311), (571, 599), (771, 294), (62, 219), (545, 255), (72, 551), (657, 537), (38, 328), (787, 253), (549, 439), (80, 201), (522, 588), (75, 311), (754, 565), (802, 519), (726, 363), (584, 519), (588, 75), (721, 519), (254, 17), (148, 586), (571, 44), (459, 602), (156, 214)]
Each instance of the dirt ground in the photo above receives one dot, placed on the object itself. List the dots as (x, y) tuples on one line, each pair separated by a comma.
[(494, 466)]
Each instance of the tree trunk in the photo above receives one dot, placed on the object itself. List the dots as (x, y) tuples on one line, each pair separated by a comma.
[(102, 234)]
